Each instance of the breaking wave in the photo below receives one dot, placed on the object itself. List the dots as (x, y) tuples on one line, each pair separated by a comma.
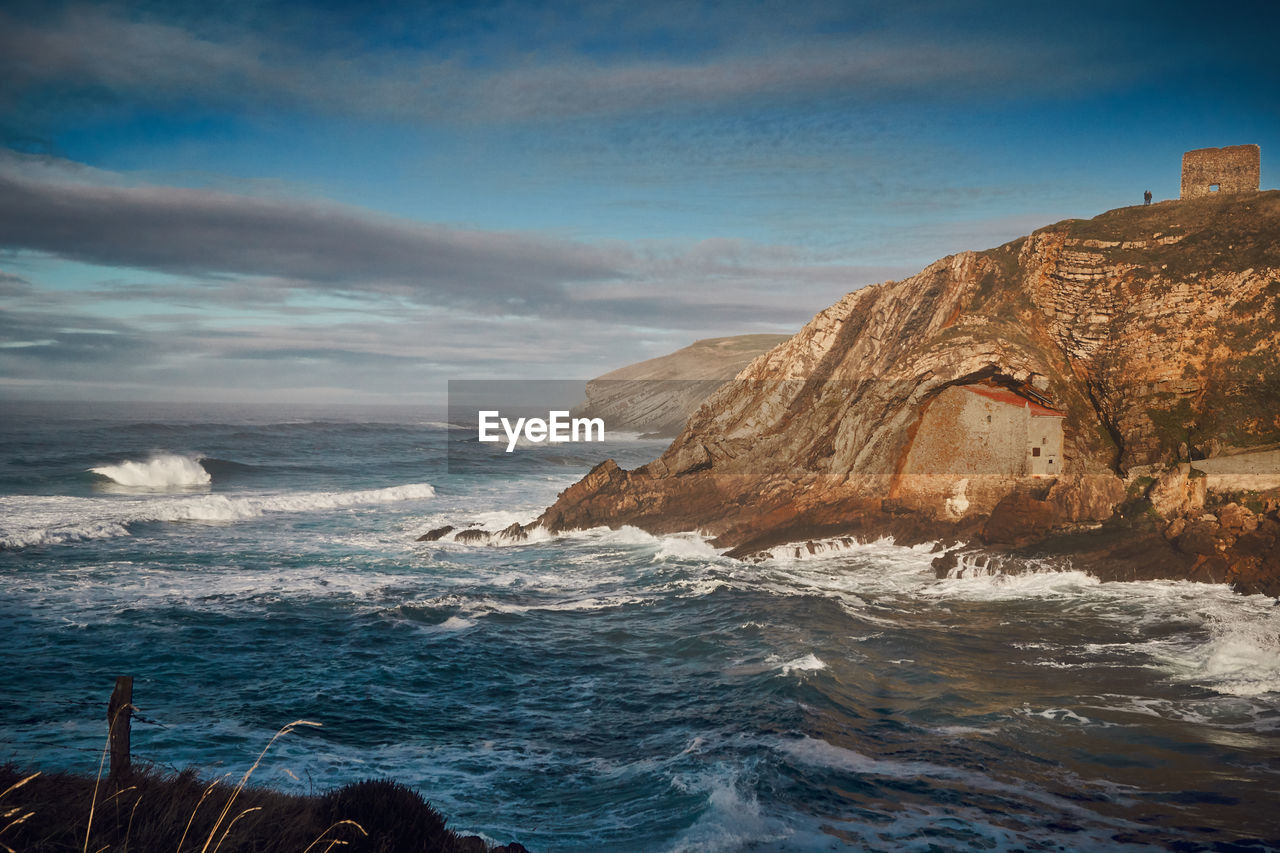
[(159, 472), (1241, 656), (30, 521)]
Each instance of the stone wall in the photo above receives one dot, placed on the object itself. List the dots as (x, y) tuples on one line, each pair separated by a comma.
[(966, 434), (1045, 434), (1234, 169)]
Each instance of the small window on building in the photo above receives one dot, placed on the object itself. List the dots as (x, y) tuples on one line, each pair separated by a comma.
[(1213, 188), (1035, 451), (988, 418)]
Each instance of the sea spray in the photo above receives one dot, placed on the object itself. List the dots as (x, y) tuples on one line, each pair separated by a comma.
[(160, 472), (55, 520)]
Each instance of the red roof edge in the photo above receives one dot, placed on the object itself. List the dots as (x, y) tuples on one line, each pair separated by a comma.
[(1012, 398)]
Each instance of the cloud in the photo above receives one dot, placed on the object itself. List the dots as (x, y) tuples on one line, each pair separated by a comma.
[(13, 286), (103, 55), (295, 256), (325, 246), (306, 297)]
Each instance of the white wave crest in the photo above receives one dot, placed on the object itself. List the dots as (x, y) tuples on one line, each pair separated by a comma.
[(685, 546), (1240, 658), (29, 521), (672, 546), (159, 472), (834, 546), (981, 583), (808, 663)]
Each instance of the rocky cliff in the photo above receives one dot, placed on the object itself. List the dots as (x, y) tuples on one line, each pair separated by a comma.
[(1156, 330), (656, 397)]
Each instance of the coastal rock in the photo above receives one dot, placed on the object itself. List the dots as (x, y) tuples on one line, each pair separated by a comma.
[(1086, 497), (472, 537), (1141, 345), (1017, 519), (1199, 537), (1254, 559), (1263, 541), (513, 533), (1175, 528), (1176, 492), (436, 534), (1237, 519)]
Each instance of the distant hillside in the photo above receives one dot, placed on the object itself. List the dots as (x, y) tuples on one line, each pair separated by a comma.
[(657, 396)]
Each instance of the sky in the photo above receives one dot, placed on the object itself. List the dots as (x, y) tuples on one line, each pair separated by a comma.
[(356, 202)]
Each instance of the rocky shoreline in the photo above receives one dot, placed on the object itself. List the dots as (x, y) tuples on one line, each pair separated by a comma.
[(1169, 527), (1123, 347)]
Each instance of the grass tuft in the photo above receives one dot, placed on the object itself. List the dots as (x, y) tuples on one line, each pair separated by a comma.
[(162, 811)]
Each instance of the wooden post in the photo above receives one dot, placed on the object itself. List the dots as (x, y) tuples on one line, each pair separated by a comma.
[(119, 713)]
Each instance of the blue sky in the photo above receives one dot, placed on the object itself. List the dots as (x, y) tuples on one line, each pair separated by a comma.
[(340, 202)]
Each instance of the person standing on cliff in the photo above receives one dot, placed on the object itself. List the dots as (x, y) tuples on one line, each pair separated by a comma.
[(1146, 197)]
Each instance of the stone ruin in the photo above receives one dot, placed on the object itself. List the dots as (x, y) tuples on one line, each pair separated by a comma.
[(1234, 169)]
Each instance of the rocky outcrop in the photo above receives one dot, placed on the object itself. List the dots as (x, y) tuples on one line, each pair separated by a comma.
[(656, 397), (1155, 329), (1178, 491)]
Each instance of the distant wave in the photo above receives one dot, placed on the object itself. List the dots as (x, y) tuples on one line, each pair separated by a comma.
[(30, 521), (220, 468), (159, 472)]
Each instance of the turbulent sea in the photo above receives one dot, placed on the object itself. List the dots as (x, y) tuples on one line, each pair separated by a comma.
[(604, 690)]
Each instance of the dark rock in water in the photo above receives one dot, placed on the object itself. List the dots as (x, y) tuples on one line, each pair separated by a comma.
[(943, 565), (472, 537), (514, 533), (434, 535)]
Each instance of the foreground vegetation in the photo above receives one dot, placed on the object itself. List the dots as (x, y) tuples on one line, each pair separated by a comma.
[(178, 812)]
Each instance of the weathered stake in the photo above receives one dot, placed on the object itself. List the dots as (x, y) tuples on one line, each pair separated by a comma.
[(119, 714)]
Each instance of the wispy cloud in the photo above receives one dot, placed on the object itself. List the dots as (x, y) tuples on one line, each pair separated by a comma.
[(12, 286), (150, 61), (272, 291), (329, 246), (227, 248)]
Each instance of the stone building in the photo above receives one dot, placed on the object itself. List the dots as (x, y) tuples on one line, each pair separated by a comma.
[(1234, 169), (987, 430)]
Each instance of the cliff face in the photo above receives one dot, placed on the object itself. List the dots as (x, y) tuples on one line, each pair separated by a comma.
[(657, 396), (1155, 329)]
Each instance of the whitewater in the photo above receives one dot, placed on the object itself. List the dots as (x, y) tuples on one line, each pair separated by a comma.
[(605, 689)]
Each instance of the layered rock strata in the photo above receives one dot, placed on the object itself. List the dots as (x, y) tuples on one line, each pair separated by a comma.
[(1153, 329)]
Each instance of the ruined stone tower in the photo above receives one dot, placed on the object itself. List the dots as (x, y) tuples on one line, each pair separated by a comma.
[(1234, 169)]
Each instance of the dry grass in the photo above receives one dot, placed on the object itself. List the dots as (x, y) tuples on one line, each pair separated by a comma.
[(178, 812)]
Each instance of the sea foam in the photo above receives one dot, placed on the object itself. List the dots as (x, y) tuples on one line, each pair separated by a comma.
[(55, 520), (159, 472)]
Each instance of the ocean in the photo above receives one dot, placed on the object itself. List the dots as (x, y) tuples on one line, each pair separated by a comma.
[(604, 689)]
